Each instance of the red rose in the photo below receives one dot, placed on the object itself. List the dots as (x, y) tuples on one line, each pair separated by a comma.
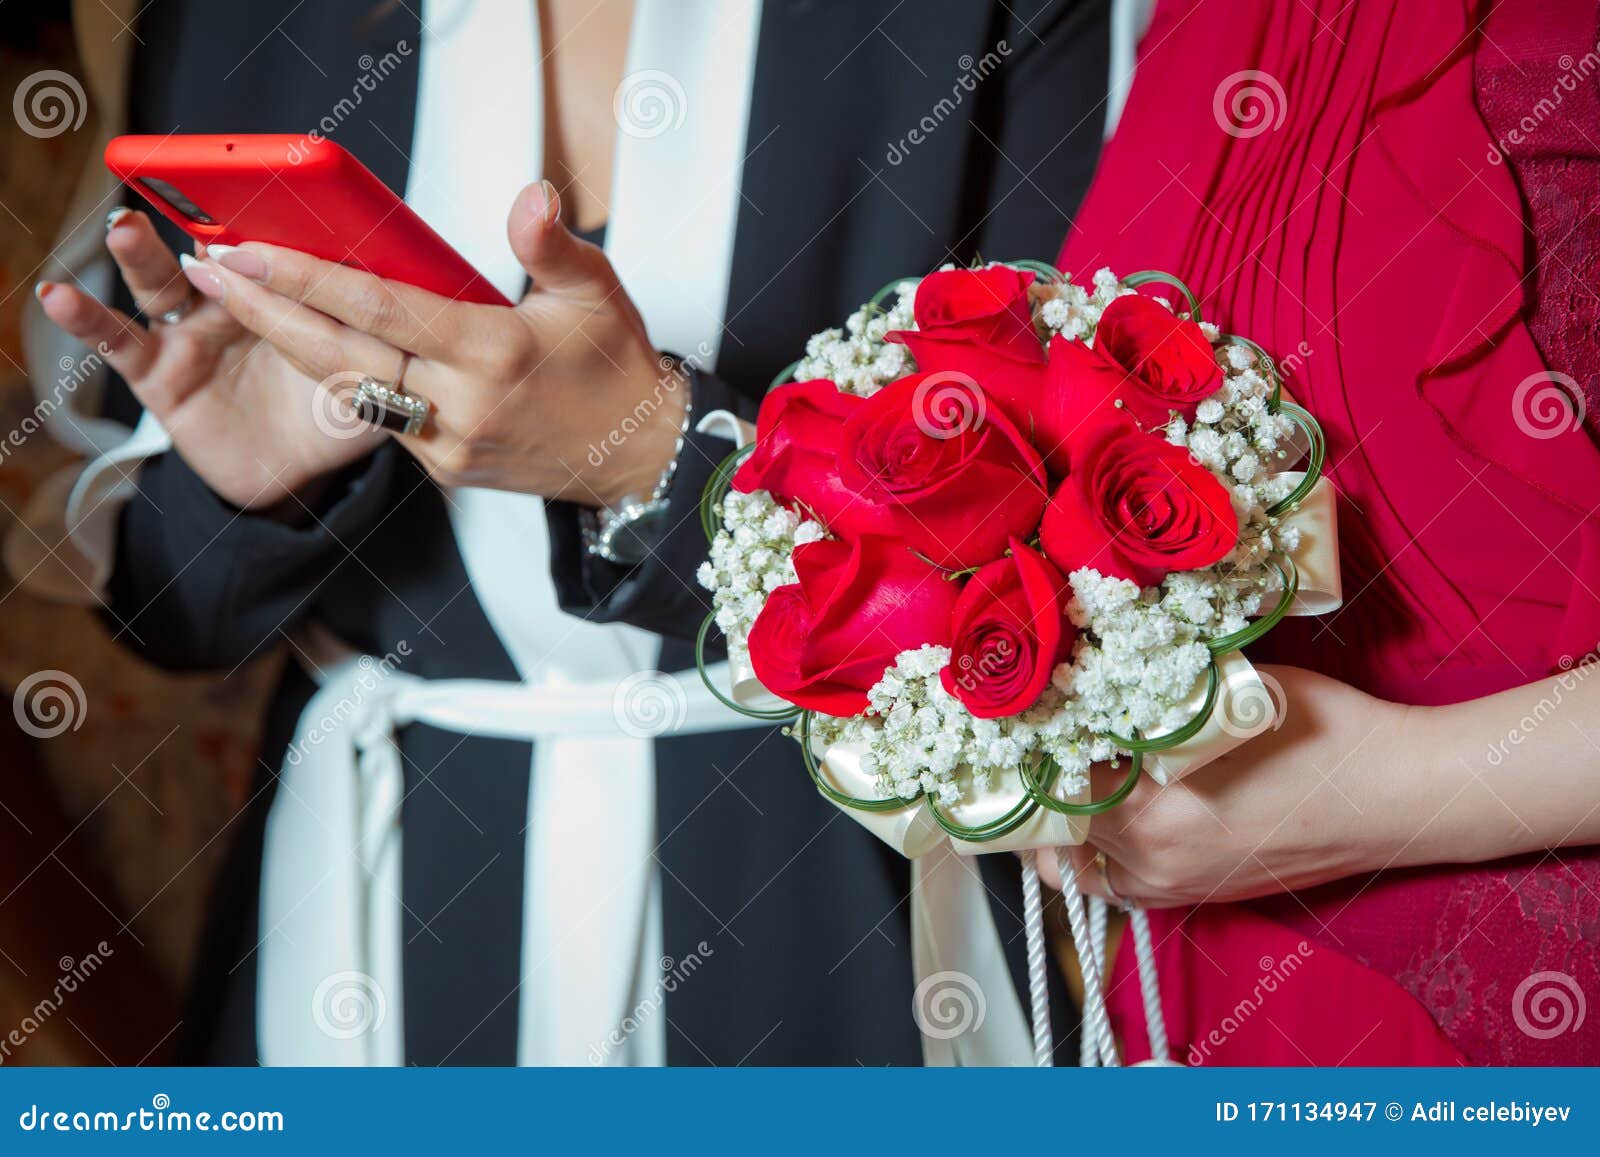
[(1144, 356), (822, 642), (796, 456), (978, 322), (957, 478), (982, 307), (1009, 630), (1134, 506)]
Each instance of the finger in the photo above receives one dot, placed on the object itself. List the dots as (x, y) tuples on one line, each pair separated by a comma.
[(400, 315), (557, 261), (1112, 828), (123, 342), (316, 345), (1049, 870), (147, 265), (1112, 879), (1078, 859)]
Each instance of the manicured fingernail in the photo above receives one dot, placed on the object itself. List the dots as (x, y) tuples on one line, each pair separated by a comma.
[(241, 261), (117, 217), (552, 202), (203, 279), (42, 288)]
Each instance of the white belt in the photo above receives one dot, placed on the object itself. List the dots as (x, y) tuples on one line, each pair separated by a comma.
[(330, 976)]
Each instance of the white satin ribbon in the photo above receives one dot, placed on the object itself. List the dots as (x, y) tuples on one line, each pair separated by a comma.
[(965, 1003), (913, 831), (1321, 588), (745, 689), (1244, 708), (910, 830)]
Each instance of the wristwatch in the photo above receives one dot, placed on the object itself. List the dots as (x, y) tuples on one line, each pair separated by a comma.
[(624, 533)]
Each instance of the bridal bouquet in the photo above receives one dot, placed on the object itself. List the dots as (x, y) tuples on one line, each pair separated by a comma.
[(1001, 527)]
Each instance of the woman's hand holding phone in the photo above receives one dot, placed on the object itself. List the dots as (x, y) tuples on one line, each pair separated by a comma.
[(561, 395), (241, 414)]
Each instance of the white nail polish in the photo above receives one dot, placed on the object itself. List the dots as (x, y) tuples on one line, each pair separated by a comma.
[(203, 276)]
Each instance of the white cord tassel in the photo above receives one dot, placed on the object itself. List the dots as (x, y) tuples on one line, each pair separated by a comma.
[(1038, 960), (1149, 985), (1088, 1043), (1099, 918), (1096, 1021)]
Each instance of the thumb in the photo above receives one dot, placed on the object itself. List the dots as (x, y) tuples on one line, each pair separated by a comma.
[(556, 260), (1078, 856)]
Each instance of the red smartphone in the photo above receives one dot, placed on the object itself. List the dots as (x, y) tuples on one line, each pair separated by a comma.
[(300, 192)]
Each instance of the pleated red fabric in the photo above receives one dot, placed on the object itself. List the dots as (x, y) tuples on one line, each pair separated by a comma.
[(1321, 174)]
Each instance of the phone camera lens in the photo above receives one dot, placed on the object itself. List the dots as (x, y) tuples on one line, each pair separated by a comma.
[(180, 201)]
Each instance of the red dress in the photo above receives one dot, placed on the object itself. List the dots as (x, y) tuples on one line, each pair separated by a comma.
[(1364, 222)]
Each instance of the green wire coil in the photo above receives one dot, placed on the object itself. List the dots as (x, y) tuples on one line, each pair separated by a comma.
[(1040, 776), (1183, 734), (1156, 277), (766, 715)]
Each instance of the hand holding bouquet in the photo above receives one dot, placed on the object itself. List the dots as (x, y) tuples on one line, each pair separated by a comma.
[(1002, 527)]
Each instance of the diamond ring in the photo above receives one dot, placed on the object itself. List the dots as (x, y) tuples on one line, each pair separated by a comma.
[(385, 405), (1102, 867), (177, 313)]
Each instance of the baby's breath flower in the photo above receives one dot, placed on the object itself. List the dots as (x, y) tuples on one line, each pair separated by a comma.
[(856, 358), (1140, 655), (750, 556)]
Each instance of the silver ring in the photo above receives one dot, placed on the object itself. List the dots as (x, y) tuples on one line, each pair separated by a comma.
[(177, 313), (385, 405), (1102, 867)]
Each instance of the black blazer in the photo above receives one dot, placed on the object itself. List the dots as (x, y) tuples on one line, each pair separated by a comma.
[(805, 911)]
